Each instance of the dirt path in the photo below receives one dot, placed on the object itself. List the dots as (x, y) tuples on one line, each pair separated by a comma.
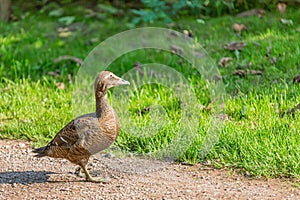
[(24, 177)]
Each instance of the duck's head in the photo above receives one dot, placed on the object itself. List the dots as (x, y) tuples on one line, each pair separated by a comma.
[(106, 80)]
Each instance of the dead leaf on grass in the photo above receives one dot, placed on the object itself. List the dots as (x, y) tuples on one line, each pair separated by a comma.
[(56, 73), (70, 78), (257, 44), (292, 111), (5, 89), (296, 79), (60, 86), (217, 78), (225, 62), (138, 66), (92, 41), (224, 117), (65, 34), (253, 12), (269, 51), (288, 22), (240, 73), (176, 49), (235, 46), (198, 54), (255, 72), (245, 66), (145, 110), (67, 57), (188, 33), (239, 27), (180, 61), (174, 33), (243, 73), (273, 60), (205, 108), (281, 7)]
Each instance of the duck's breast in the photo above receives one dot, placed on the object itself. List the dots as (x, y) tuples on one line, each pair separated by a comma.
[(93, 136)]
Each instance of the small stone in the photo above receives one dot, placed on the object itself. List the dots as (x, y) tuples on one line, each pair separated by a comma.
[(21, 145), (109, 155)]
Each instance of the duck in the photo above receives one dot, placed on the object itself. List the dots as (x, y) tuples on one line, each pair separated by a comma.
[(88, 134)]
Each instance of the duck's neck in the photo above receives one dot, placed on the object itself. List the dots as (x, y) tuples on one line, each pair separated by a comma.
[(101, 104)]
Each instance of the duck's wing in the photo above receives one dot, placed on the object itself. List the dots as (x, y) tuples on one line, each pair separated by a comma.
[(72, 132), (67, 136), (61, 143)]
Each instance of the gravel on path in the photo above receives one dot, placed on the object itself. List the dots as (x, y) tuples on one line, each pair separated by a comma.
[(23, 176)]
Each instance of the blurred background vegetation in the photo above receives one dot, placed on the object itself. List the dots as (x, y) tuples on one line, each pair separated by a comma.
[(146, 10)]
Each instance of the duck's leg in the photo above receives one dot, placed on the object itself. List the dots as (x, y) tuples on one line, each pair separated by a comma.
[(78, 172), (88, 177)]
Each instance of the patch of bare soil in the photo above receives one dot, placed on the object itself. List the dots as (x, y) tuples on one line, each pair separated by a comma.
[(24, 177)]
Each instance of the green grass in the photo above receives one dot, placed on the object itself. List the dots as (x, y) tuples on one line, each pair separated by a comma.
[(256, 139)]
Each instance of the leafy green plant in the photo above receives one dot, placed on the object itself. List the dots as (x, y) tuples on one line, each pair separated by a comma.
[(160, 10), (154, 10)]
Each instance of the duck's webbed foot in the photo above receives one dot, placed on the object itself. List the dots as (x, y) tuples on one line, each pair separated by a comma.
[(89, 178), (79, 172)]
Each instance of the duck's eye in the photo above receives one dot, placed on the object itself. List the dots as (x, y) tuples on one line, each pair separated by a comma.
[(110, 76)]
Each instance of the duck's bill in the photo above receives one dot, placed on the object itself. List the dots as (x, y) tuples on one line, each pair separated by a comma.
[(123, 82)]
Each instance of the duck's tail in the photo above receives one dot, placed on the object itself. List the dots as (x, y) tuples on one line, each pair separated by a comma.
[(40, 152)]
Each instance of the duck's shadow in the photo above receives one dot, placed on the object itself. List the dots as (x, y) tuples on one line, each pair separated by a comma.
[(24, 177)]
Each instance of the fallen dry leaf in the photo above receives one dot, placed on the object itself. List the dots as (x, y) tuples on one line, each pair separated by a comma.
[(60, 86), (245, 66), (269, 51), (67, 57), (288, 22), (205, 108), (292, 111), (188, 33), (174, 33), (273, 60), (257, 44), (70, 78), (4, 89), (235, 46), (56, 73), (13, 17), (65, 29), (64, 32), (243, 73), (198, 54), (224, 117), (255, 72), (239, 72), (254, 12), (175, 49), (138, 66), (239, 27), (281, 7), (225, 62), (296, 79), (145, 110), (217, 78), (180, 61)]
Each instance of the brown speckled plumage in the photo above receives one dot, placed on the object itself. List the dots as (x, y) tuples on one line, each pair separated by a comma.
[(90, 133)]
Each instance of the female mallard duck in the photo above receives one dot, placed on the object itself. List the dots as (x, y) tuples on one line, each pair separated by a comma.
[(88, 134)]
